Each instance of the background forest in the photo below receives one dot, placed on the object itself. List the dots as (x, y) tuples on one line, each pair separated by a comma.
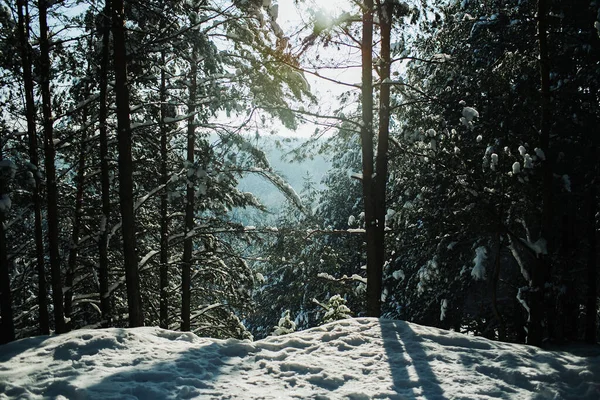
[(461, 193)]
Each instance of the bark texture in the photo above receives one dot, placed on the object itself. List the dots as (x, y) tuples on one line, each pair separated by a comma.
[(51, 186), (125, 163), (373, 291), (164, 217), (30, 111), (186, 265)]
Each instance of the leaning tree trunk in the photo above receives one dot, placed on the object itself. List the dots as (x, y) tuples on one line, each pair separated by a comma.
[(373, 289), (124, 138), (164, 218), (104, 171), (23, 20), (7, 325), (186, 264), (51, 186)]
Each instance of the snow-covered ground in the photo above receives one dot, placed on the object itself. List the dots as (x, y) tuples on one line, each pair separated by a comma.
[(361, 358)]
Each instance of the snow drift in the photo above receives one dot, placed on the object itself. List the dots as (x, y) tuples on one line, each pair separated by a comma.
[(361, 358)]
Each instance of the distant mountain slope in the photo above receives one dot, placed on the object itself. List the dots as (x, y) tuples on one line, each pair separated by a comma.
[(278, 151), (363, 358)]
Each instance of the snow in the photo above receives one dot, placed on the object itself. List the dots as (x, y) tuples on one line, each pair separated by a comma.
[(540, 153), (470, 113), (443, 309), (441, 57), (527, 161), (351, 220), (5, 203), (399, 275), (478, 271), (516, 167), (494, 159), (274, 11), (539, 247), (566, 180), (363, 358), (285, 325), (433, 145), (356, 230)]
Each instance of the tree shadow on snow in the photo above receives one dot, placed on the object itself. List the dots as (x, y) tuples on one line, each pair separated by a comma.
[(190, 374), (402, 357), (16, 348)]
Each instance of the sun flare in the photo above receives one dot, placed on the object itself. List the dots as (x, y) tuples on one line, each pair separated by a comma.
[(332, 8)]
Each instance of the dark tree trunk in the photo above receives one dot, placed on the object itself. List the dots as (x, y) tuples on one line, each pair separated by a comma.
[(542, 266), (7, 325), (591, 303), (593, 179), (51, 186), (186, 264), (124, 138), (373, 291), (104, 171), (23, 18), (164, 218), (78, 213), (494, 289), (381, 161)]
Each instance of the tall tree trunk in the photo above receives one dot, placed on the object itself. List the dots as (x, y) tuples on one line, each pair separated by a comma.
[(104, 171), (74, 246), (542, 266), (23, 20), (591, 296), (373, 285), (7, 325), (189, 206), (132, 279), (381, 161), (591, 303), (494, 279), (366, 134), (164, 218), (51, 186)]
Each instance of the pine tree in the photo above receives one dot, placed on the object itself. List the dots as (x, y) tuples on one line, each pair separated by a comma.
[(28, 84), (134, 301), (49, 161)]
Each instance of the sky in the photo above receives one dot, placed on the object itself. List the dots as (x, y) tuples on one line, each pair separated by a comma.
[(290, 19), (355, 359)]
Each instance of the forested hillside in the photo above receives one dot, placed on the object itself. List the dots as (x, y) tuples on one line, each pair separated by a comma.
[(281, 152), (455, 185)]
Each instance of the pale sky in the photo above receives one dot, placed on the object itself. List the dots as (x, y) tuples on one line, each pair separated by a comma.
[(290, 18)]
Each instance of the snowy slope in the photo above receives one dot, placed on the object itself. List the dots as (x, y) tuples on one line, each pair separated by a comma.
[(360, 358)]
